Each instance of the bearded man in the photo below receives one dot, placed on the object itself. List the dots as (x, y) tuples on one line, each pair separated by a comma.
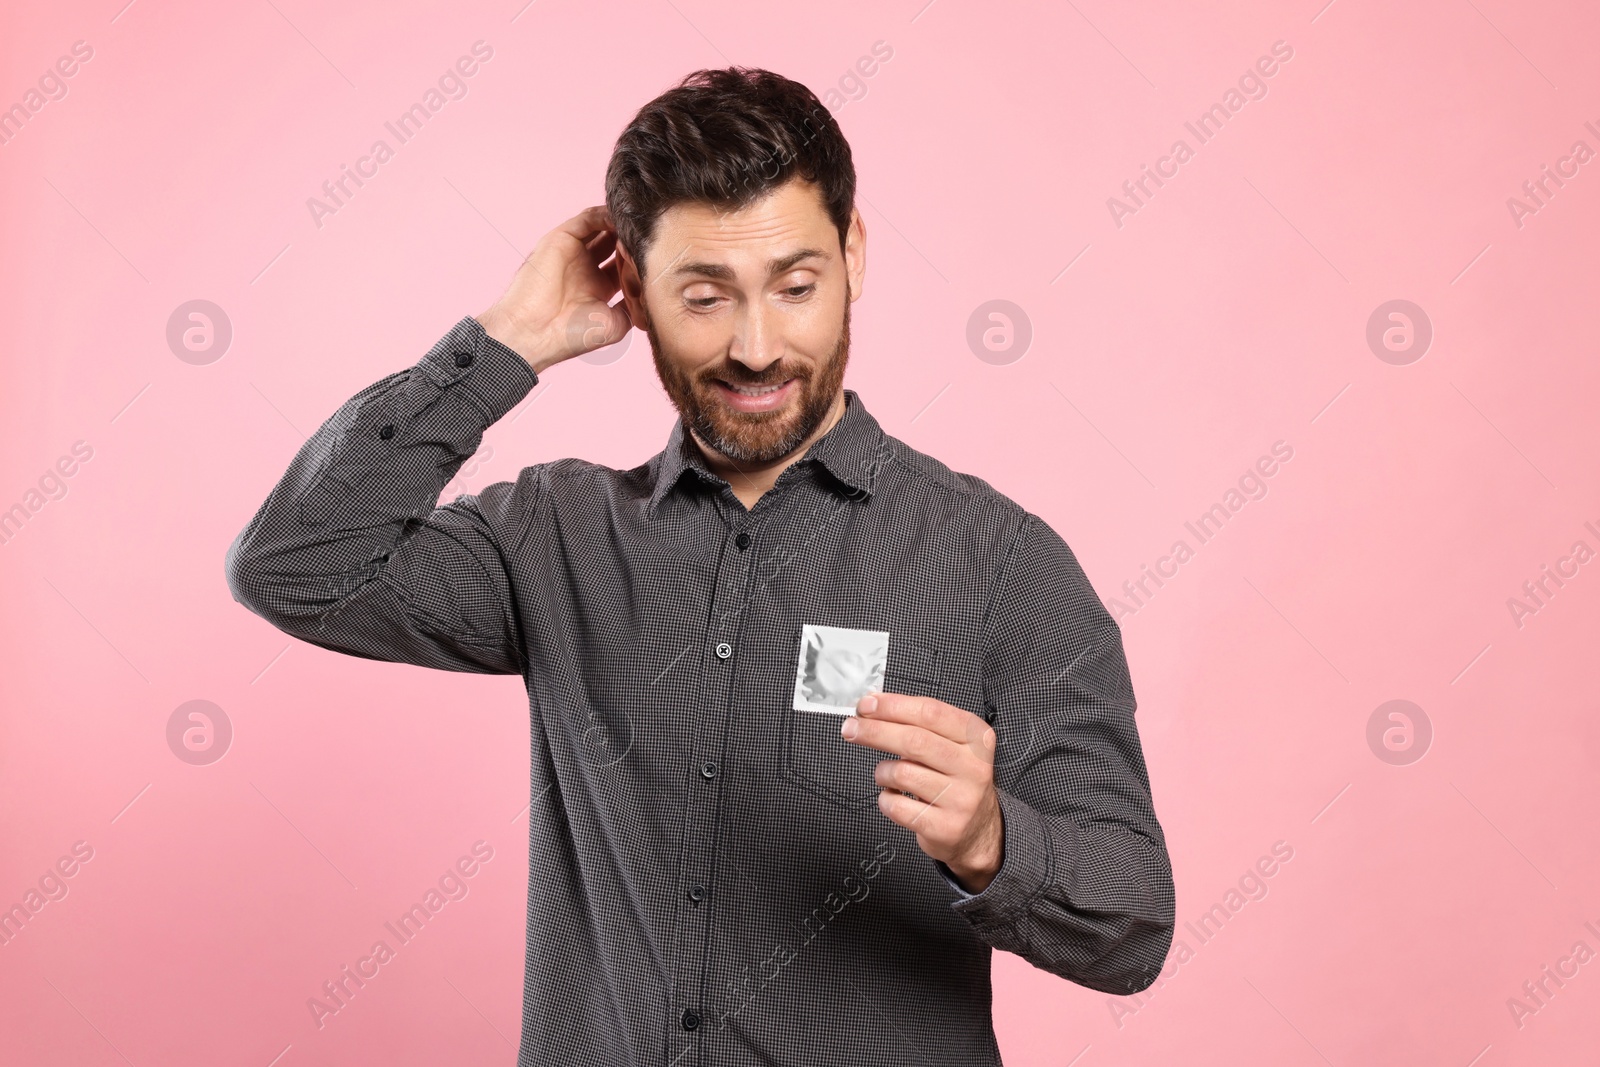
[(741, 851)]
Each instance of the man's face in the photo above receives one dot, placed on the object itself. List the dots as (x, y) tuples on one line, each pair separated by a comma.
[(748, 315)]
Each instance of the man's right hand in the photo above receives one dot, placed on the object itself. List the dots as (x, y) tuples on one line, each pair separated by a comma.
[(558, 303)]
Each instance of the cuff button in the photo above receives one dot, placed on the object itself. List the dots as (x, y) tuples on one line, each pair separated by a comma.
[(386, 432)]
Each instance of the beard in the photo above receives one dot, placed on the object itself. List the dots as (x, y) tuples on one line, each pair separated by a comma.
[(759, 436)]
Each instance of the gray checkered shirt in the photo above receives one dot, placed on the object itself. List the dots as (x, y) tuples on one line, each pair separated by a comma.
[(711, 879)]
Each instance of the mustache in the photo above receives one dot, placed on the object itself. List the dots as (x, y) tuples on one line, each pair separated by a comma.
[(738, 374)]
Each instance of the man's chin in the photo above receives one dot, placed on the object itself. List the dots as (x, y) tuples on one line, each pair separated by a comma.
[(739, 444), (749, 436)]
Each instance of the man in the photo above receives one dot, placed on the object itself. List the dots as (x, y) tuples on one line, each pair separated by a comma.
[(720, 874)]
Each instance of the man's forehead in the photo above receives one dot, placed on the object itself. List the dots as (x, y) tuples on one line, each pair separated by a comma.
[(786, 228)]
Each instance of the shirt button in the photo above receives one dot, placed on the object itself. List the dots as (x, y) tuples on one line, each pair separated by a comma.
[(386, 432), (724, 650), (690, 1019), (708, 769), (463, 359), (743, 541), (697, 893)]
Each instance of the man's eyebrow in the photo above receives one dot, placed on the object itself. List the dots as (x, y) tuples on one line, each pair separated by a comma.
[(723, 272)]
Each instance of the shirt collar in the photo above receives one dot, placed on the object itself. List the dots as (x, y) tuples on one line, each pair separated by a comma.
[(852, 452)]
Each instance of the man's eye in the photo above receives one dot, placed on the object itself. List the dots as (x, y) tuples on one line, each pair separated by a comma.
[(702, 302), (799, 290)]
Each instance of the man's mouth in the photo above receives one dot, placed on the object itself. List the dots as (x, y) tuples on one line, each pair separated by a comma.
[(754, 390), (755, 397)]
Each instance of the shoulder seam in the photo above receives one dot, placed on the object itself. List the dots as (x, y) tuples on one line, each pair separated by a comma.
[(1023, 528), (989, 493)]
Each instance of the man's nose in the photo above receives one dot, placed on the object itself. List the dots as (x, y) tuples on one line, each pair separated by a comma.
[(757, 342)]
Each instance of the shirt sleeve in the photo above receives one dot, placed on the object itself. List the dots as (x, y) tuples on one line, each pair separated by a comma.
[(1084, 888), (351, 550)]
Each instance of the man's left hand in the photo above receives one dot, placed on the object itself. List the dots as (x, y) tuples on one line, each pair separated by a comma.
[(947, 762)]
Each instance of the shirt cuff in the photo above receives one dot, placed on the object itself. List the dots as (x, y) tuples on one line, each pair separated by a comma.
[(495, 378), (1027, 867)]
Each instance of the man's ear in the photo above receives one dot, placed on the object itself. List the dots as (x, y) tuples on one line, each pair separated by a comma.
[(632, 289), (855, 254)]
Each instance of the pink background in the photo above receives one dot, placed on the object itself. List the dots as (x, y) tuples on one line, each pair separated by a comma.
[(1168, 353)]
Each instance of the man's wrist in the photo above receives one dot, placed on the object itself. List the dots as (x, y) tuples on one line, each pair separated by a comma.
[(975, 878), (500, 327), (975, 872)]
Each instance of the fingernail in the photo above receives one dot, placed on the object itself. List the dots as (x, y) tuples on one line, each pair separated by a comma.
[(849, 727), (868, 703)]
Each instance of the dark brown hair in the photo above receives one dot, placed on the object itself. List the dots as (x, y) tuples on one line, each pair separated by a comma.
[(727, 138)]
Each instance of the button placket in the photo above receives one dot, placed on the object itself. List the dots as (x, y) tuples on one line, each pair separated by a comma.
[(730, 593)]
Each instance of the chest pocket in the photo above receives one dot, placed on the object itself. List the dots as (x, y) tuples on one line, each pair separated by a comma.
[(816, 758)]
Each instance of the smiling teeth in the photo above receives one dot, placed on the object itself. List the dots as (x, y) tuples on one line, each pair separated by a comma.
[(745, 390)]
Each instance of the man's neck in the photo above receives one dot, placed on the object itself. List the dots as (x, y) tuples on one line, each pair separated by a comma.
[(751, 481)]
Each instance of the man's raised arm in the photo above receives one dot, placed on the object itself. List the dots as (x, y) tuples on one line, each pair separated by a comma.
[(351, 550)]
